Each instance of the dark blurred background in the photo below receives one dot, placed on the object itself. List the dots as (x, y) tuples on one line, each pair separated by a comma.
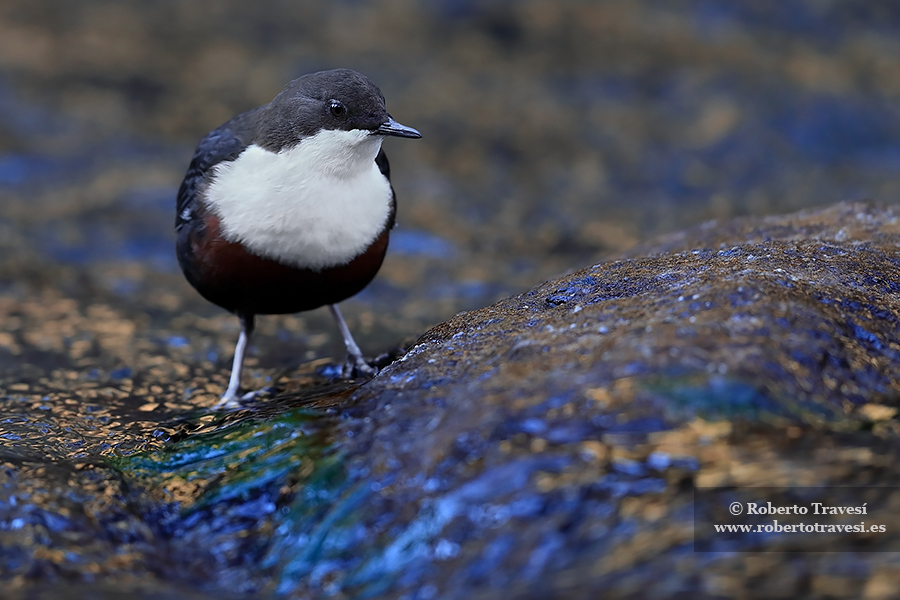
[(556, 133)]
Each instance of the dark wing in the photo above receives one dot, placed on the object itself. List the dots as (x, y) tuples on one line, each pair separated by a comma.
[(225, 143), (385, 168)]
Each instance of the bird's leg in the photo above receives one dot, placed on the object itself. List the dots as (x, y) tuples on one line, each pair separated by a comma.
[(230, 398), (356, 362)]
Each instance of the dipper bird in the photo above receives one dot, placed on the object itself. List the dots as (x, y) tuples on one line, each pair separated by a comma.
[(288, 207)]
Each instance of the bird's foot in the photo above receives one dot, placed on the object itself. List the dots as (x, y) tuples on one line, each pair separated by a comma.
[(231, 401), (349, 369), (357, 366)]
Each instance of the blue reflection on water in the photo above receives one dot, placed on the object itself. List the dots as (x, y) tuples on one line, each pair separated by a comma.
[(420, 243), (829, 130), (29, 169), (101, 243)]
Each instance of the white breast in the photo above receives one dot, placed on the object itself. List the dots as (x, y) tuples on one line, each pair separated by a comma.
[(317, 205)]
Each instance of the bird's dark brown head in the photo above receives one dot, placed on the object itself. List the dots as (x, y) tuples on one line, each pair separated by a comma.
[(338, 99)]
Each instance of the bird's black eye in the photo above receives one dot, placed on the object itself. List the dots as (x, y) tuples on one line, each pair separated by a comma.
[(338, 109)]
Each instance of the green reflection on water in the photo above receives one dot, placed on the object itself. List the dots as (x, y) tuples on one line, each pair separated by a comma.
[(288, 461)]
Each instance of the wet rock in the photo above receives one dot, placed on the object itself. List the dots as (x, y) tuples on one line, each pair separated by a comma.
[(540, 447), (739, 354)]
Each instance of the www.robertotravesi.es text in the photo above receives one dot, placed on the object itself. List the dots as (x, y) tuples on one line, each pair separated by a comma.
[(776, 527)]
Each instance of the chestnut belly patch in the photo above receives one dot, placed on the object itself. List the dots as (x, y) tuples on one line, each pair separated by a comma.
[(226, 274)]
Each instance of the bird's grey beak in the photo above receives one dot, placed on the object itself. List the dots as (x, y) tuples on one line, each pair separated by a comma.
[(392, 127)]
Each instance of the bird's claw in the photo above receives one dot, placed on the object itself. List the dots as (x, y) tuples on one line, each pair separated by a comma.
[(357, 367)]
